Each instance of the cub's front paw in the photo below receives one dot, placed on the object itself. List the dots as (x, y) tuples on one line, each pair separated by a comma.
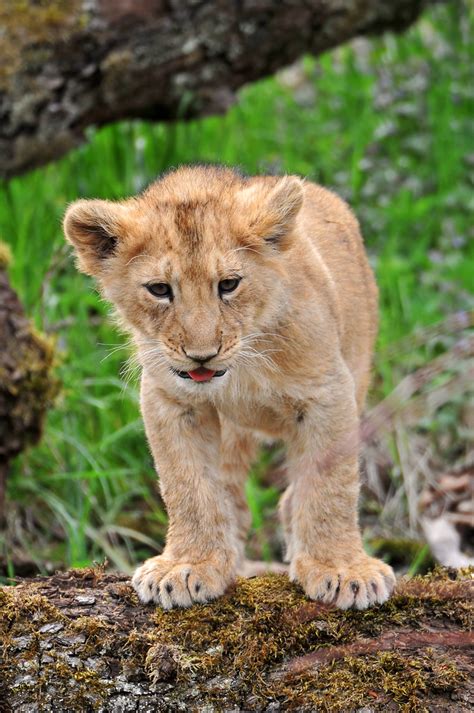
[(180, 584), (360, 583)]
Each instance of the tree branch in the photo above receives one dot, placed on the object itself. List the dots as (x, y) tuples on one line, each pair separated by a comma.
[(69, 64), (81, 641)]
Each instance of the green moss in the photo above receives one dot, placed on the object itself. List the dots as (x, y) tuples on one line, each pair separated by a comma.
[(386, 677), (77, 690), (29, 610), (95, 630), (267, 620), (245, 627), (23, 630), (240, 650)]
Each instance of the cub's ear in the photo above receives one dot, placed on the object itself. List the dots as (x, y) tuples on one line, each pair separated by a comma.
[(94, 228), (271, 212)]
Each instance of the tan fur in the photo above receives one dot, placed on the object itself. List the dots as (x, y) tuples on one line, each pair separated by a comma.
[(296, 337)]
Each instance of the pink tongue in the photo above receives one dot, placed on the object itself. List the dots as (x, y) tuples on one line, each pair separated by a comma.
[(201, 374)]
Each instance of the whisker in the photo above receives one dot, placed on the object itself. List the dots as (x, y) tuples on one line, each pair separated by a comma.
[(249, 354), (113, 351), (265, 336)]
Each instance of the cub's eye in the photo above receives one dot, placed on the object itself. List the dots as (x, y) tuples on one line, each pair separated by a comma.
[(160, 289), (226, 286)]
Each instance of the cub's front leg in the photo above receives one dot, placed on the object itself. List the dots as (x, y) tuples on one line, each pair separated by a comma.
[(200, 557), (319, 510)]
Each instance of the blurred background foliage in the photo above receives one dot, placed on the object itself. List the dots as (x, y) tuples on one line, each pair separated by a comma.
[(387, 123)]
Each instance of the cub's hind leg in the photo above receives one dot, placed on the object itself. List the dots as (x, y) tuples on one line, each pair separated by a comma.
[(285, 508), (239, 448)]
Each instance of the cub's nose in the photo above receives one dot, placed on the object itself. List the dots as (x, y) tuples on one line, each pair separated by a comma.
[(201, 358)]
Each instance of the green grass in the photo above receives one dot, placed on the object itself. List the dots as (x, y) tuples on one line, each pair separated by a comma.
[(386, 124)]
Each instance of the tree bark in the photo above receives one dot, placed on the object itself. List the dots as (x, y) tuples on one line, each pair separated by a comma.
[(81, 641), (69, 64), (27, 387)]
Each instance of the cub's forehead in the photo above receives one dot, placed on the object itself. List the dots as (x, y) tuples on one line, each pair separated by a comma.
[(191, 239), (187, 227)]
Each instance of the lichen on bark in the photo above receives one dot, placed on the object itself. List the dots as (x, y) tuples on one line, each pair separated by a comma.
[(27, 25)]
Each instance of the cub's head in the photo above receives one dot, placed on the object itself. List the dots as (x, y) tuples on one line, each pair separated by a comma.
[(195, 266)]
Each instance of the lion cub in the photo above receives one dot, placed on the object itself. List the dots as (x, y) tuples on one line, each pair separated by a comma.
[(254, 312)]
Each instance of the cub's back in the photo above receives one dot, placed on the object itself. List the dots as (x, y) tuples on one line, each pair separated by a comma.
[(327, 221)]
